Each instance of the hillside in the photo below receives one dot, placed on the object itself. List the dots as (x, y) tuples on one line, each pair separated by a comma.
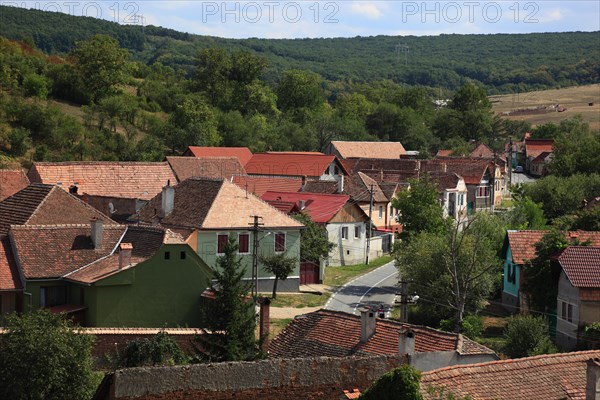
[(502, 63)]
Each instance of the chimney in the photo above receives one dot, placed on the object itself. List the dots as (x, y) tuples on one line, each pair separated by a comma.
[(73, 189), (264, 322), (406, 341), (368, 323), (97, 231), (340, 183), (592, 387), (125, 254), (168, 199)]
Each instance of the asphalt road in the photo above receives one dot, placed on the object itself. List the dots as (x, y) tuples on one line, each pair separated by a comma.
[(520, 177), (376, 287)]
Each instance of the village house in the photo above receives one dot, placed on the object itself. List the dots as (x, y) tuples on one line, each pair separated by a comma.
[(11, 181), (206, 167), (538, 164), (307, 165), (386, 150), (533, 149), (207, 211), (578, 300), (117, 189), (259, 185), (345, 222), (338, 334)]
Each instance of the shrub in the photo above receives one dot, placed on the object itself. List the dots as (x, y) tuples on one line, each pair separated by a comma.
[(526, 336), (402, 383), (160, 349)]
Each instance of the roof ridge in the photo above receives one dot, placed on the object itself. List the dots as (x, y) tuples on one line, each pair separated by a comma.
[(94, 162), (37, 208)]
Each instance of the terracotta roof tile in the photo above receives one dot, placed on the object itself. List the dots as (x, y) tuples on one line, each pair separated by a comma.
[(535, 147), (202, 203), (243, 154), (9, 274), (548, 377), (209, 167), (358, 186), (321, 207), (100, 269), (258, 185), (11, 181), (443, 153), (45, 204), (325, 187), (290, 164), (581, 265), (131, 180), (375, 164), (337, 334), (522, 243), (51, 251), (389, 150), (470, 169)]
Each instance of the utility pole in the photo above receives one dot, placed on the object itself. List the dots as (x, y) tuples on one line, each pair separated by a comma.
[(368, 233), (255, 229), (403, 301), (509, 161)]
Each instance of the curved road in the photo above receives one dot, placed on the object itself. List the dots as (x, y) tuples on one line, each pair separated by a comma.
[(376, 287)]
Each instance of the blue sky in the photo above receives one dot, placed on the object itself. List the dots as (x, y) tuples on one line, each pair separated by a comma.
[(347, 18)]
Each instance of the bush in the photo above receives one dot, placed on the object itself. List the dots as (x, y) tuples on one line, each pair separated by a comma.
[(43, 357), (472, 325), (36, 85), (526, 336), (402, 383), (160, 349)]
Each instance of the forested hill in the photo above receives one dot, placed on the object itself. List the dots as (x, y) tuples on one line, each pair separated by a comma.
[(501, 62)]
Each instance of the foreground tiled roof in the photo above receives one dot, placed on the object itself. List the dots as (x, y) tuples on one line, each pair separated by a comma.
[(11, 181), (243, 154), (337, 334), (581, 265), (258, 185), (390, 150), (208, 167), (40, 204), (100, 269), (51, 251), (9, 274), (522, 243), (202, 203), (321, 207), (547, 377), (131, 180), (535, 147), (289, 164)]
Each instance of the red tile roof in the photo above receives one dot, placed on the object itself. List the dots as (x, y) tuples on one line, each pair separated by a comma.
[(470, 169), (358, 186), (444, 153), (337, 334), (290, 164), (547, 377), (369, 164), (209, 167), (45, 204), (535, 147), (11, 181), (243, 154), (258, 185), (321, 207), (131, 180), (482, 150), (581, 265), (9, 274), (389, 150), (522, 243), (325, 187)]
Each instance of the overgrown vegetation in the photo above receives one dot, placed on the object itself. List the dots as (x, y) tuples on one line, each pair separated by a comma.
[(160, 349), (402, 383), (526, 336)]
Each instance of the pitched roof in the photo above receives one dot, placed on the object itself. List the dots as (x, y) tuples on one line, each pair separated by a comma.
[(11, 181), (548, 377), (202, 203), (243, 154), (289, 164), (9, 274), (522, 243), (370, 164), (358, 186), (321, 207), (51, 251), (131, 180), (542, 157), (482, 150), (209, 167), (390, 150), (443, 153), (258, 185), (470, 169), (534, 147), (45, 204), (325, 187), (337, 334), (581, 265), (444, 180)]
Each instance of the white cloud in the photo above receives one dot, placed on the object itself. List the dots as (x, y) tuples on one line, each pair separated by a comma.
[(367, 9), (551, 15)]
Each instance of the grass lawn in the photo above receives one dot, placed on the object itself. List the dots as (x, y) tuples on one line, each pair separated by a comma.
[(301, 300), (337, 276), (493, 333)]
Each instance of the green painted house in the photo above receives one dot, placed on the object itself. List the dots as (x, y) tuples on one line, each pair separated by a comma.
[(109, 275), (206, 211)]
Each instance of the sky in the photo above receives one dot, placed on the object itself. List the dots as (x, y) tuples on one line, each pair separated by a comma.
[(345, 18)]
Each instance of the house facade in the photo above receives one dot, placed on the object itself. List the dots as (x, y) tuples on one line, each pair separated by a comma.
[(207, 211)]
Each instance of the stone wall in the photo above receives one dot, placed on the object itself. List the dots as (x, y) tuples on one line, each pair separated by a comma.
[(306, 378)]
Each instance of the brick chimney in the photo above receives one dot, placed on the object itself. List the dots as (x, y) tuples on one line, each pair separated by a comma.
[(406, 341), (97, 232), (264, 323), (168, 199), (125, 254), (592, 387), (368, 324)]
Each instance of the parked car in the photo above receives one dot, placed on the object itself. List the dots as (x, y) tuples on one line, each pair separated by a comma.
[(519, 169)]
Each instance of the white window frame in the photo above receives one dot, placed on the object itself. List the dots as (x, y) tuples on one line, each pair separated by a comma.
[(357, 230), (344, 233), (486, 191)]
